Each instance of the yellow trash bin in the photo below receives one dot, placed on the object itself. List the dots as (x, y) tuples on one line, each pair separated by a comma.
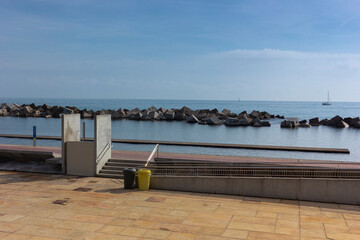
[(144, 179)]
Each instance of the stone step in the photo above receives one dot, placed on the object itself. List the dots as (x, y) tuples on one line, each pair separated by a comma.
[(124, 165), (114, 160), (110, 175)]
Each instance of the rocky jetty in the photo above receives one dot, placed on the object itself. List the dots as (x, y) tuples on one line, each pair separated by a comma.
[(200, 116)]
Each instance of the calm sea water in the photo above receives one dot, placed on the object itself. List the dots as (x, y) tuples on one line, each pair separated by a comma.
[(181, 131)]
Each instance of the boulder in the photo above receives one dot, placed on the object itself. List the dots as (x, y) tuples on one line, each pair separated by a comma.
[(14, 106), (288, 124), (314, 121), (25, 111), (46, 107), (356, 125), (186, 110), (192, 119), (214, 121), (161, 116), (169, 115), (152, 109), (255, 120), (36, 113), (265, 123), (68, 111), (280, 117), (121, 112), (153, 115), (324, 122), (115, 115), (180, 116), (56, 111), (257, 124), (87, 114), (206, 111), (162, 110), (48, 116), (302, 121), (243, 114), (221, 115), (33, 106), (200, 115), (135, 115), (14, 113), (254, 114), (264, 115), (4, 106), (351, 121), (304, 124), (232, 122), (342, 124), (4, 112), (233, 115), (245, 121), (214, 111), (226, 111), (335, 121)]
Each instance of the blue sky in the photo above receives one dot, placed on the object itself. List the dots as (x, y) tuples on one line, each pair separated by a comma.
[(252, 50)]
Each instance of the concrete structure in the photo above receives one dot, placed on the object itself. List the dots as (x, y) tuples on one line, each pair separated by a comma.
[(70, 131), (102, 133), (85, 158), (345, 191), (80, 158)]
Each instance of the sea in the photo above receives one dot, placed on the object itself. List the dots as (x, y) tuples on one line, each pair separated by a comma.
[(321, 136)]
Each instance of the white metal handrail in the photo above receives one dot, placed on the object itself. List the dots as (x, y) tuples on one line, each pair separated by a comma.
[(109, 145), (156, 148)]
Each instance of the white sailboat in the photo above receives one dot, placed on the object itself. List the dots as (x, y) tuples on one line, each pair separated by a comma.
[(328, 100)]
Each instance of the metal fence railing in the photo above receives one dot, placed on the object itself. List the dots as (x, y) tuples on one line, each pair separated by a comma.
[(237, 171)]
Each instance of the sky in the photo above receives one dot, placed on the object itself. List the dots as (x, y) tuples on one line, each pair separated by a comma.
[(282, 50)]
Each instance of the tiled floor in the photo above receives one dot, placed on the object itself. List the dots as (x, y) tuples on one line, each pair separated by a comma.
[(40, 206)]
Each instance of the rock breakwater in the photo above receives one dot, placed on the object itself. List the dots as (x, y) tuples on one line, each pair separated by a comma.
[(200, 116)]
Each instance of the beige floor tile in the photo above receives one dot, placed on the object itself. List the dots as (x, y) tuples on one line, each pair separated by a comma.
[(235, 234), (270, 236), (157, 234), (15, 236), (252, 227), (315, 233), (342, 236), (91, 218), (42, 231), (134, 232), (10, 217), (266, 214), (212, 231), (9, 227), (181, 236), (112, 229), (82, 226)]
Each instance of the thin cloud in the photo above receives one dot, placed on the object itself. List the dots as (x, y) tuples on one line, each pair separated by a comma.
[(349, 20)]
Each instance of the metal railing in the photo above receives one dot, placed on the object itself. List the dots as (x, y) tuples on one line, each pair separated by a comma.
[(98, 158), (156, 150), (236, 171)]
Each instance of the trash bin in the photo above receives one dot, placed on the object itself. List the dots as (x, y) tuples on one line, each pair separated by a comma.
[(144, 179), (129, 177)]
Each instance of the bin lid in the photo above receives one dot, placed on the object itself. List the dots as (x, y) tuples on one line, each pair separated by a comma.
[(144, 171), (129, 169)]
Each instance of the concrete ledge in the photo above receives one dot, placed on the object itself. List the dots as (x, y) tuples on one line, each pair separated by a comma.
[(321, 190), (24, 156)]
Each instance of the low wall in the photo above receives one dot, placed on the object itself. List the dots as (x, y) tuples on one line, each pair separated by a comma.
[(321, 190)]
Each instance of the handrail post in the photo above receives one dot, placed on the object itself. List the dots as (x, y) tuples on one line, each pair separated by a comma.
[(152, 155)]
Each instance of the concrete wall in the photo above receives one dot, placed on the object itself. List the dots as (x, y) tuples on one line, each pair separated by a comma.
[(322, 190), (80, 158), (102, 139), (70, 131)]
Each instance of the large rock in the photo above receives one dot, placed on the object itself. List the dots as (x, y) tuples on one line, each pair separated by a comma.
[(289, 124), (4, 112), (245, 121), (242, 114), (152, 109), (314, 121), (162, 110), (233, 115), (121, 112), (265, 123), (115, 115), (232, 122), (68, 111), (214, 111), (226, 111), (56, 111), (257, 124), (192, 119), (356, 125), (25, 111), (87, 114), (14, 106), (153, 115), (342, 124), (338, 122), (4, 106), (214, 121), (135, 115), (169, 115), (254, 114), (264, 116), (221, 116), (186, 110), (180, 116), (199, 115), (161, 116), (36, 113)]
